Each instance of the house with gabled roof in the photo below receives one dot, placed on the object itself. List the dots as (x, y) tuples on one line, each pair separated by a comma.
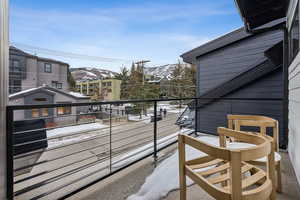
[(49, 95)]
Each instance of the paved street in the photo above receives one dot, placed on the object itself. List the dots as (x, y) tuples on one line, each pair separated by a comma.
[(124, 138)]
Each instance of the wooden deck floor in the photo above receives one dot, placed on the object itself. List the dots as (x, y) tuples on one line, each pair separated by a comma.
[(128, 182)]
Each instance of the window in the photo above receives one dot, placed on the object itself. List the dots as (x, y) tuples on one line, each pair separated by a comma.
[(35, 113), (40, 99), (108, 83), (59, 85), (45, 112), (16, 67), (56, 85), (53, 84), (48, 68), (64, 110), (294, 37), (15, 85), (103, 84), (109, 90)]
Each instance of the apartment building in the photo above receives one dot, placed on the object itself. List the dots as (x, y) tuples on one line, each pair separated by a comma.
[(29, 71), (36, 80), (107, 89)]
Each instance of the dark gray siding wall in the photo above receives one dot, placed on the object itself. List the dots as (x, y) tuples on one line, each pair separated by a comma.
[(219, 66), (16, 76), (214, 115), (16, 55), (270, 86)]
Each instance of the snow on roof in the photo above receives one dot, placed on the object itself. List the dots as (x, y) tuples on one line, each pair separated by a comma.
[(90, 73), (78, 95), (24, 92), (49, 89), (154, 81)]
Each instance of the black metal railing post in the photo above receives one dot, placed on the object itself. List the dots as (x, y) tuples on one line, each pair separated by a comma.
[(110, 138), (285, 78), (230, 107), (155, 132), (9, 154)]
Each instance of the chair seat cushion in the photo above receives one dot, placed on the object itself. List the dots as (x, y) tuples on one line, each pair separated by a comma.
[(242, 145)]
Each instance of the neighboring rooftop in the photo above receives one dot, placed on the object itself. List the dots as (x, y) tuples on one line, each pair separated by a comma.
[(222, 41), (16, 51), (49, 90)]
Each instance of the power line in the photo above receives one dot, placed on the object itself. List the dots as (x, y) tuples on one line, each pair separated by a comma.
[(68, 54)]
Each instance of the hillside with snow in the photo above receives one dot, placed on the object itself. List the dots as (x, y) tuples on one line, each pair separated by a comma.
[(89, 73), (162, 71)]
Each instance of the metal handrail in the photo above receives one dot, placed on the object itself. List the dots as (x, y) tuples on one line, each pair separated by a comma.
[(124, 144)]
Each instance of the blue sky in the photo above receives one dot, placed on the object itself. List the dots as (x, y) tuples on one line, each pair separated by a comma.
[(158, 30)]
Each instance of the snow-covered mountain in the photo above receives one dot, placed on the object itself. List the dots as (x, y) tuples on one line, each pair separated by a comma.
[(89, 73), (162, 71)]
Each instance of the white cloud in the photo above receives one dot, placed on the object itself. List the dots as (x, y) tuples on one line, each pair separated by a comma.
[(112, 32)]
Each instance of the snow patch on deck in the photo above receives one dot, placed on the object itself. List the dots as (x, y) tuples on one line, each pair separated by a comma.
[(165, 178)]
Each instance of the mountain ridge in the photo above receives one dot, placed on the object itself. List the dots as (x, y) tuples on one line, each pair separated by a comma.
[(91, 73)]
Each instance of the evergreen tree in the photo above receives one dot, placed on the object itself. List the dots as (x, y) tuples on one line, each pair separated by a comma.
[(183, 81), (124, 77), (71, 81)]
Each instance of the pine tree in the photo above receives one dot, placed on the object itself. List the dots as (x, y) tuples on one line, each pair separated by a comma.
[(124, 77), (71, 81)]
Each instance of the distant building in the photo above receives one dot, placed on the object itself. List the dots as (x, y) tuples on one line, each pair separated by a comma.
[(29, 71), (107, 89), (49, 95)]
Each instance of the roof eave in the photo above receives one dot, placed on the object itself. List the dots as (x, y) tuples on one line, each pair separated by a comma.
[(256, 13)]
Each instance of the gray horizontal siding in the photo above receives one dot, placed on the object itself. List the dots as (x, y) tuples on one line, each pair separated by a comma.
[(270, 86), (214, 115), (294, 114), (221, 65)]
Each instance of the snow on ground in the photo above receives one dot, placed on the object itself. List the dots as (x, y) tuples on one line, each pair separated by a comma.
[(75, 129), (59, 142), (171, 108), (137, 118), (147, 149), (167, 174), (65, 131)]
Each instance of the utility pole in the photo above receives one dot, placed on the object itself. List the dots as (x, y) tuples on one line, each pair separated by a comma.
[(142, 64)]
